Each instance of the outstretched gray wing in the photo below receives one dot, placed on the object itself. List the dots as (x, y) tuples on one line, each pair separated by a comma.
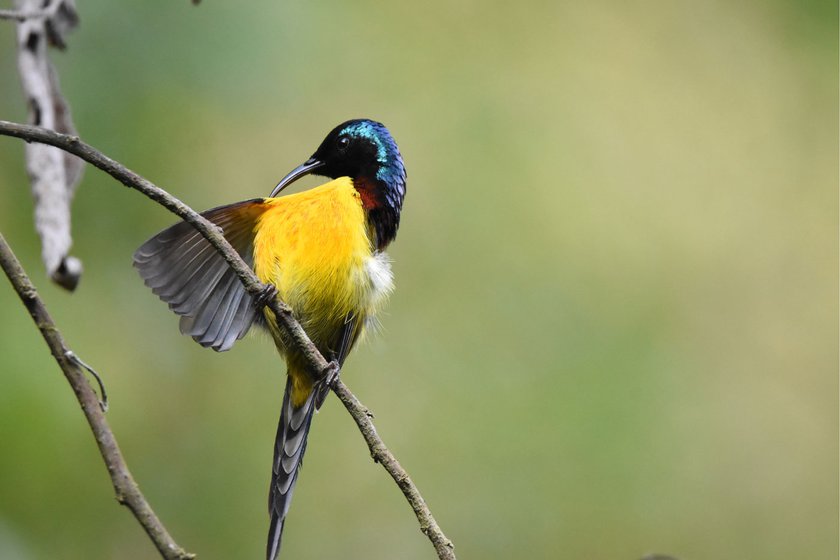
[(186, 272)]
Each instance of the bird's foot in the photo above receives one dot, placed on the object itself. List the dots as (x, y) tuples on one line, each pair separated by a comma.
[(332, 373), (267, 294)]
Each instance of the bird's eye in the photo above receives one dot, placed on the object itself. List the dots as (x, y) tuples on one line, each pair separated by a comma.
[(343, 142)]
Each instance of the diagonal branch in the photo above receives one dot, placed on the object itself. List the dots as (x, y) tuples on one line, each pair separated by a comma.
[(285, 318), (127, 491)]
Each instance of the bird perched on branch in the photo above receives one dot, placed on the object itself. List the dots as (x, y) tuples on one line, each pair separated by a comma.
[(323, 252)]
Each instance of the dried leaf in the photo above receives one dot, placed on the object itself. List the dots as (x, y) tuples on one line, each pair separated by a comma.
[(53, 173)]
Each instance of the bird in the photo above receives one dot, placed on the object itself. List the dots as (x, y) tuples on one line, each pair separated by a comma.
[(322, 250)]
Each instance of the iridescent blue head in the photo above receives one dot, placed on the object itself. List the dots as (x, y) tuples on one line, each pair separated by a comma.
[(365, 151)]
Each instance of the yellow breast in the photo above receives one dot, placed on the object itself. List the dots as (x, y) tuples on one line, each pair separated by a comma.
[(314, 247)]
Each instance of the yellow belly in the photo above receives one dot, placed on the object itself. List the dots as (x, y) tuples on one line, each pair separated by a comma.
[(314, 247)]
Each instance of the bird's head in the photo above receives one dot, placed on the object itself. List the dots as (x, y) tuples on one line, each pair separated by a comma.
[(366, 152)]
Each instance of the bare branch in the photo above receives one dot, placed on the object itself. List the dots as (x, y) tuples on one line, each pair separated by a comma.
[(126, 489), (382, 455), (285, 318)]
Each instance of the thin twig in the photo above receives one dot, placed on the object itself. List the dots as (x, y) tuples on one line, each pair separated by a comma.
[(126, 489), (103, 401), (382, 455), (253, 286)]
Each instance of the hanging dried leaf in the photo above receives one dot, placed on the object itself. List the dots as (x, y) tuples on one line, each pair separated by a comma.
[(53, 173)]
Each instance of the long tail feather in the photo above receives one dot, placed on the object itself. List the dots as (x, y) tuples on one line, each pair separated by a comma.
[(289, 447)]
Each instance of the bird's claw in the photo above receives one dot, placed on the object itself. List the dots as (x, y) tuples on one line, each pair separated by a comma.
[(331, 373), (267, 294)]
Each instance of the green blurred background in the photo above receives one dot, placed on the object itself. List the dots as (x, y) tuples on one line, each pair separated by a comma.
[(615, 324)]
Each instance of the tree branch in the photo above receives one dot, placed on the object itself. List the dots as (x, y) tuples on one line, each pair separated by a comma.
[(382, 455), (126, 489), (285, 318)]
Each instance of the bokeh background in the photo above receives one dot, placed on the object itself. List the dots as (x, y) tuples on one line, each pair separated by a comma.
[(615, 328)]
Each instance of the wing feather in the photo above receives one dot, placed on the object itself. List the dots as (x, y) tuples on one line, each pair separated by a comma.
[(185, 271)]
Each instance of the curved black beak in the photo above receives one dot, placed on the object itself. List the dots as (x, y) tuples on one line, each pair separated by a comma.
[(305, 168)]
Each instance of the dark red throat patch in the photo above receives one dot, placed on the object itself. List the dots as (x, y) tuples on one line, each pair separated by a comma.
[(382, 213), (368, 194)]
